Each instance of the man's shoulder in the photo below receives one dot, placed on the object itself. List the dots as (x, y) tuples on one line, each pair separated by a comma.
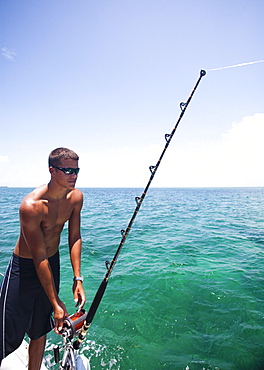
[(76, 195), (33, 202)]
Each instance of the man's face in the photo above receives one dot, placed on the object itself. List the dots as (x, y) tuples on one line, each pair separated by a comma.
[(63, 179)]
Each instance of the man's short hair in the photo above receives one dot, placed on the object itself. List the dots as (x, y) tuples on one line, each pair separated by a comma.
[(59, 154)]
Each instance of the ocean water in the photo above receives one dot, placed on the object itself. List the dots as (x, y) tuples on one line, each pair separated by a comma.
[(187, 291)]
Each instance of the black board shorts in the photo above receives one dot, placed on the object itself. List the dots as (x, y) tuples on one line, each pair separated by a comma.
[(24, 305)]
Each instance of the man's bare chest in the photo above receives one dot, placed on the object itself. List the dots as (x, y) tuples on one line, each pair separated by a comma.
[(56, 214)]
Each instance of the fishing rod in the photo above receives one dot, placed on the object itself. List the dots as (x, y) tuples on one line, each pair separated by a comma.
[(88, 317)]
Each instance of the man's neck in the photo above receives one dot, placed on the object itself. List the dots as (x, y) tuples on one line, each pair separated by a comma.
[(57, 192)]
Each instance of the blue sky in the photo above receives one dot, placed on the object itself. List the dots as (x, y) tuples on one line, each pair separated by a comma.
[(105, 78)]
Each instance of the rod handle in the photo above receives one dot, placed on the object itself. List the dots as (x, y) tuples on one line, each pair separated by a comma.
[(56, 351)]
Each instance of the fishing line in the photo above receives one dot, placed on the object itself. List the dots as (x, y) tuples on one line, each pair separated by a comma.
[(139, 200), (235, 65)]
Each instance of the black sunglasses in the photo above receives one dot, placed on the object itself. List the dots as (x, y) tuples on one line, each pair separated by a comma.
[(68, 171)]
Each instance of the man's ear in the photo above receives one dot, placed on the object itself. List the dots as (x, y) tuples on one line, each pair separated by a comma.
[(51, 170)]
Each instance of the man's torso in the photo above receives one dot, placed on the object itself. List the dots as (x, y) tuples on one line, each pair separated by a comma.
[(54, 213)]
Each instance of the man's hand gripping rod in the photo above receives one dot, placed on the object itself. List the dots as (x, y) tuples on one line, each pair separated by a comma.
[(139, 200)]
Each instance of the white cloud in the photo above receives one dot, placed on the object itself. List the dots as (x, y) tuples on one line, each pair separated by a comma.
[(243, 145), (3, 158), (236, 159), (248, 133), (8, 54)]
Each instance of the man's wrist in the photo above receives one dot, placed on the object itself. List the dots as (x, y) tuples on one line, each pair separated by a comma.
[(78, 278)]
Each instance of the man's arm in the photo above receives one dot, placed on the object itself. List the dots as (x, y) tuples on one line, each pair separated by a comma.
[(31, 215), (75, 245)]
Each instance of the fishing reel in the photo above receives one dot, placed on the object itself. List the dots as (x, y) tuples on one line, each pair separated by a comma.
[(73, 324)]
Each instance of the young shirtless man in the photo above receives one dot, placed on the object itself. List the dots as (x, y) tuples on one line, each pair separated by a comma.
[(29, 291)]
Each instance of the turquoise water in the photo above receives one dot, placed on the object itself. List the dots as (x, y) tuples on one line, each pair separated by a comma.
[(187, 289)]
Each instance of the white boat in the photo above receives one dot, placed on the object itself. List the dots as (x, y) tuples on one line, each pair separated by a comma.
[(18, 360)]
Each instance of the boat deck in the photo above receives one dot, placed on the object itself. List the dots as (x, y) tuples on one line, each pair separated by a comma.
[(18, 360)]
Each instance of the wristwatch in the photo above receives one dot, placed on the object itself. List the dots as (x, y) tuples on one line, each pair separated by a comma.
[(78, 278)]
